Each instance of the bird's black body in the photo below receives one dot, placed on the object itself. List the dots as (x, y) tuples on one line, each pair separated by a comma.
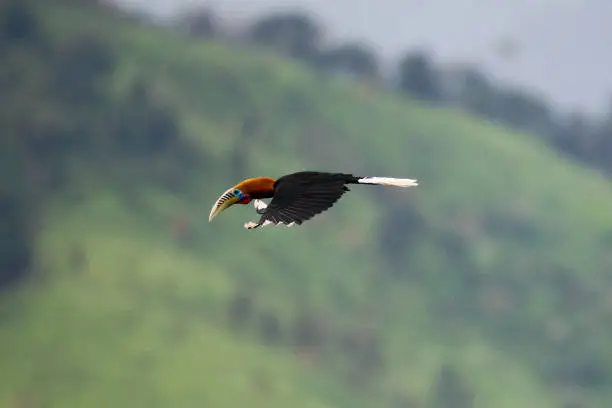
[(296, 197), (300, 196)]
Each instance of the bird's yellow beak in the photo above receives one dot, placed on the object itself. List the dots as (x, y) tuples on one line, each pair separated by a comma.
[(226, 200)]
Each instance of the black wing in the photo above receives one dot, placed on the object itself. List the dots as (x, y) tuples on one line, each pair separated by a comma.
[(297, 199)]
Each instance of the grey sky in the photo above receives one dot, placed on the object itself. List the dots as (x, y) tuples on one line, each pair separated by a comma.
[(565, 46)]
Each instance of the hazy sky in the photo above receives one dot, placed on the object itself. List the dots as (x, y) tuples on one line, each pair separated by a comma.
[(564, 46)]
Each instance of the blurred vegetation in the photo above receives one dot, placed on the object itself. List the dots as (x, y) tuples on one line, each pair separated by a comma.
[(486, 286), (298, 35)]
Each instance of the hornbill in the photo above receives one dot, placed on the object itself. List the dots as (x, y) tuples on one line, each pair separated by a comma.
[(296, 197)]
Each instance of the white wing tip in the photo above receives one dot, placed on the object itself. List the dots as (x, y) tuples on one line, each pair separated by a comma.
[(253, 224)]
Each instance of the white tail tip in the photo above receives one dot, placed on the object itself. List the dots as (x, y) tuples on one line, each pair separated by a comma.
[(389, 181)]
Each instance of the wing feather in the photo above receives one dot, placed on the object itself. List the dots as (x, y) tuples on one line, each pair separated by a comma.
[(298, 202)]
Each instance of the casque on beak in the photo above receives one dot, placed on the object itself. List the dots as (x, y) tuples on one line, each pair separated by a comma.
[(226, 200)]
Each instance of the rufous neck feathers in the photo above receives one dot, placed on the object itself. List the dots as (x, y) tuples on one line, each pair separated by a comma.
[(258, 187)]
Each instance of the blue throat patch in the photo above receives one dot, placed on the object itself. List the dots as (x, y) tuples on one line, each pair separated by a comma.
[(239, 194)]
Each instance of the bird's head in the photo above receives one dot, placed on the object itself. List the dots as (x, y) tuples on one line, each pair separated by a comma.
[(231, 196), (243, 193)]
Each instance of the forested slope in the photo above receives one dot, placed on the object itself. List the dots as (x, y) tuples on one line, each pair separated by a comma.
[(487, 285)]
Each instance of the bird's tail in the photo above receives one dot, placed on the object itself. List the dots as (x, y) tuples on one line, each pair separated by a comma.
[(388, 181)]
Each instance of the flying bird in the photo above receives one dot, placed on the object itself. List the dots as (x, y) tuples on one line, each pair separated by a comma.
[(296, 197)]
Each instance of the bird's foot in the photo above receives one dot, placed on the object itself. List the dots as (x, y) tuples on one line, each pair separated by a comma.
[(251, 225), (260, 206)]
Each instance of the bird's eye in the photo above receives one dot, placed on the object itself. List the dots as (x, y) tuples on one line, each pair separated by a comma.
[(236, 192)]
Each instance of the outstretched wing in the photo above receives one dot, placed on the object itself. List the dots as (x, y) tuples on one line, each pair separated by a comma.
[(296, 202)]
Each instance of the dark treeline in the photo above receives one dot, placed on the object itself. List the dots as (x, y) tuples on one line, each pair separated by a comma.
[(575, 134), (58, 111)]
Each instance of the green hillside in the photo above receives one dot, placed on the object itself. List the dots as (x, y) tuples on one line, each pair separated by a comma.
[(486, 286)]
